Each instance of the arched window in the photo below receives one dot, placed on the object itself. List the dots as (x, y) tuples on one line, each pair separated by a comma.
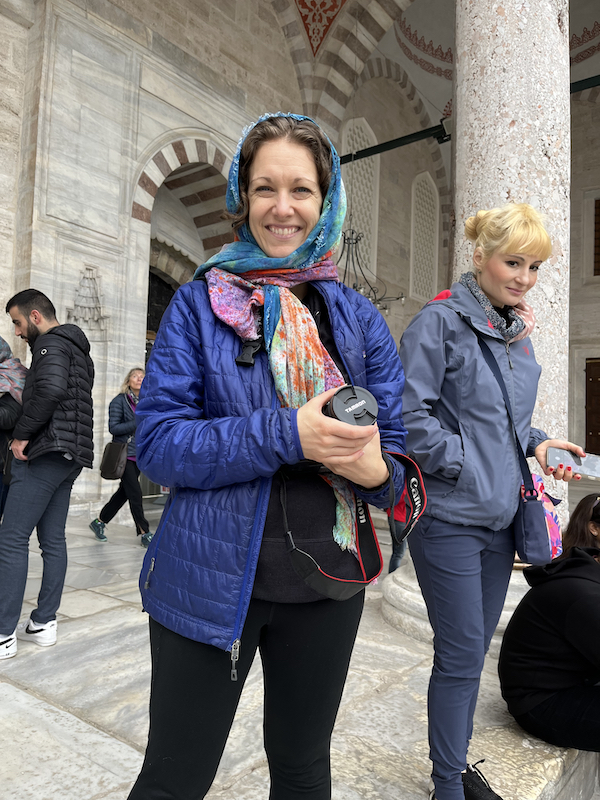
[(361, 180), (424, 234)]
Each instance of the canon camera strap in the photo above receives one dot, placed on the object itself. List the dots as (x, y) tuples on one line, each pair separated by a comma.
[(368, 552)]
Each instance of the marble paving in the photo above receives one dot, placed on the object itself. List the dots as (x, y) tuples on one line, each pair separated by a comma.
[(73, 718)]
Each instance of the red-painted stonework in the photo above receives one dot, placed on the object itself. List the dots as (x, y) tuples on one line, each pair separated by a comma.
[(317, 17)]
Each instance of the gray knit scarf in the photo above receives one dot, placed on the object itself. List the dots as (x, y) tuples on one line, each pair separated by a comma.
[(509, 332)]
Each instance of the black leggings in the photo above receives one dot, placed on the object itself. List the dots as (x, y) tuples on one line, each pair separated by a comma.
[(305, 650), (570, 718), (129, 489)]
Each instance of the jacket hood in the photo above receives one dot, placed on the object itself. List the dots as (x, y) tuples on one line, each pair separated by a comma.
[(460, 299), (73, 333), (581, 563)]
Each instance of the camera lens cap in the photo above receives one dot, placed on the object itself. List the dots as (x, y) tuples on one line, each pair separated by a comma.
[(354, 405)]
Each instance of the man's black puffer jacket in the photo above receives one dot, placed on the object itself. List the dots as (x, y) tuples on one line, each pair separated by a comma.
[(57, 398)]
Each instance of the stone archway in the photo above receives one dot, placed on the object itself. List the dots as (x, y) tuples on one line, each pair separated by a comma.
[(185, 182), (329, 64), (173, 164)]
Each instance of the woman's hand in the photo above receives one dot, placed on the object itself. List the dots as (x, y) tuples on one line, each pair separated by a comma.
[(351, 451), (368, 469), (561, 473)]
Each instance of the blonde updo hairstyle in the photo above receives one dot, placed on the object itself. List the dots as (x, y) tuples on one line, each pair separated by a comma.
[(516, 228)]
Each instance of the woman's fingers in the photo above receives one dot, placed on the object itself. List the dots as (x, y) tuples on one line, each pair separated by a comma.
[(366, 467), (562, 472), (322, 437)]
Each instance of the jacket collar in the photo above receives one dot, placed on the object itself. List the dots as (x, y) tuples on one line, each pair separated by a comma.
[(460, 299)]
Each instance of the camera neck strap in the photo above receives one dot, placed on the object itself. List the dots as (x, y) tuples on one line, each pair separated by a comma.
[(368, 551)]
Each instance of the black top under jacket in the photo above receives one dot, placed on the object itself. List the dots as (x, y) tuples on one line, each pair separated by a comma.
[(310, 509)]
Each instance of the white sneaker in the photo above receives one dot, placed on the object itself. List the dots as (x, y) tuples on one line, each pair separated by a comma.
[(8, 646), (44, 635)]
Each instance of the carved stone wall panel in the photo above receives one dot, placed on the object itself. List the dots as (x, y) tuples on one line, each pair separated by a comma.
[(361, 180), (13, 38), (87, 81), (424, 238)]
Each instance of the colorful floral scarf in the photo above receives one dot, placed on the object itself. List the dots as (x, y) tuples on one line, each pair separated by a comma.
[(521, 316), (250, 292), (12, 373)]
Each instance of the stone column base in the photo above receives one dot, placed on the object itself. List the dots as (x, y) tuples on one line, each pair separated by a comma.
[(403, 606)]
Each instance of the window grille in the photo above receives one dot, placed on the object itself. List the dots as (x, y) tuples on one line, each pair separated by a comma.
[(424, 238), (361, 180)]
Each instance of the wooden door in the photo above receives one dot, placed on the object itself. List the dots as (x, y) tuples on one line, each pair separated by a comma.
[(592, 405)]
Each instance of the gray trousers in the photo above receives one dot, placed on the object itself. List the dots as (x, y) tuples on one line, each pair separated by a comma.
[(39, 496), (463, 572)]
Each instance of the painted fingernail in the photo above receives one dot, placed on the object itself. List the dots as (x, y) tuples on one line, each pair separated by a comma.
[(561, 466), (551, 469), (569, 469), (577, 477)]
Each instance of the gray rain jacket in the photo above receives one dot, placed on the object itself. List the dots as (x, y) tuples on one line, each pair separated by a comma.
[(458, 426)]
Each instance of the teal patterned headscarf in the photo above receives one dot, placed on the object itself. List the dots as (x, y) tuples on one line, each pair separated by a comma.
[(245, 255)]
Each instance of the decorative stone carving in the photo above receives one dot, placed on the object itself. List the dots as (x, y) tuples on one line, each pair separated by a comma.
[(423, 63), (171, 265), (317, 18), (87, 308), (425, 47)]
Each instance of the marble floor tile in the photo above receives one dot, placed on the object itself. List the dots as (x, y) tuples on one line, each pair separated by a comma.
[(81, 603), (126, 590), (99, 669), (80, 577), (48, 754), (95, 683)]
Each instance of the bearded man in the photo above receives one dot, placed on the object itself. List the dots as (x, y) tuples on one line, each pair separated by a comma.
[(51, 445)]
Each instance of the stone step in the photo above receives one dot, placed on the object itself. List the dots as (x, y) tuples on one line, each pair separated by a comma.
[(519, 766)]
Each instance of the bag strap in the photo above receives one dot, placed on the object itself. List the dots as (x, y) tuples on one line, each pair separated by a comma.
[(493, 365)]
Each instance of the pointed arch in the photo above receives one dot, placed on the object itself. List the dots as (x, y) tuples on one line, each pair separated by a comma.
[(327, 80), (204, 197)]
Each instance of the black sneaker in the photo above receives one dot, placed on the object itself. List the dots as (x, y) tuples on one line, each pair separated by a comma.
[(476, 786)]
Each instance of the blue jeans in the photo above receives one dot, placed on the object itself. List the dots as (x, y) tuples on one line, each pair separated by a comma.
[(463, 572), (39, 496)]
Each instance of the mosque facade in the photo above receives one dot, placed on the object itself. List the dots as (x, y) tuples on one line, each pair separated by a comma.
[(119, 119)]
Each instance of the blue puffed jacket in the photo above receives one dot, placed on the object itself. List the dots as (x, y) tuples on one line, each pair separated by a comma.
[(215, 433), (458, 426)]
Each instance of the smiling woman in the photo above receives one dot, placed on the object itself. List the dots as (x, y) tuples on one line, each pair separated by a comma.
[(231, 418), (285, 199)]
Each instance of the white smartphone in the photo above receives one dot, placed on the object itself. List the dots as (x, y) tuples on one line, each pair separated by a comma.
[(588, 466)]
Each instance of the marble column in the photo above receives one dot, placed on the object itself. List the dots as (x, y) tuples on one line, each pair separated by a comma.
[(511, 143)]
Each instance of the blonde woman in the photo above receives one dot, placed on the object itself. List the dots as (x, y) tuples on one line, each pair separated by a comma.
[(459, 431), (122, 424)]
